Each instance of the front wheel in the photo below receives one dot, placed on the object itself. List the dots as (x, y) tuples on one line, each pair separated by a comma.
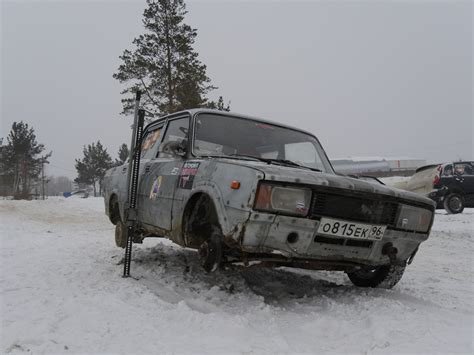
[(454, 203), (210, 251), (385, 276)]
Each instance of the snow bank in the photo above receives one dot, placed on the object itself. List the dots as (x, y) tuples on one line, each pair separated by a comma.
[(62, 292)]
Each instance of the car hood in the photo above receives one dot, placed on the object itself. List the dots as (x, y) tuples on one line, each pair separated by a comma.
[(281, 173)]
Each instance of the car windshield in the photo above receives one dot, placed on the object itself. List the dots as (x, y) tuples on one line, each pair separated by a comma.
[(223, 135)]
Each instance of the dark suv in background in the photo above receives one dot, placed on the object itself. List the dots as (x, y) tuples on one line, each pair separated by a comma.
[(454, 187), (450, 185)]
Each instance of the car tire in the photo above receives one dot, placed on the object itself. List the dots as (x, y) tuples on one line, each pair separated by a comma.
[(121, 234), (385, 276), (454, 203), (210, 251)]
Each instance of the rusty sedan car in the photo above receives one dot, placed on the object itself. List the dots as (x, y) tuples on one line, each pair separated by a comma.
[(244, 190)]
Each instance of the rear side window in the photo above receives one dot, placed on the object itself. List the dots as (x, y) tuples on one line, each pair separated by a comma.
[(448, 170), (469, 170), (150, 143)]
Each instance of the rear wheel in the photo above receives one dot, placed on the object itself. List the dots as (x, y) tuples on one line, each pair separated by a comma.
[(114, 210), (121, 234), (453, 203), (385, 276)]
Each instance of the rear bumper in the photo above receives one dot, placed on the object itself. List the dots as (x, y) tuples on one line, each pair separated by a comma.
[(269, 234)]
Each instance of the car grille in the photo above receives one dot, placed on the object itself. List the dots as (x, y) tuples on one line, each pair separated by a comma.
[(353, 208)]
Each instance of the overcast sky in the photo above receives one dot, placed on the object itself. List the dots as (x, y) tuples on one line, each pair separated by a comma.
[(369, 78)]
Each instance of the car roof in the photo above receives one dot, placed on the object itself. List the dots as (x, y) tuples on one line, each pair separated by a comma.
[(195, 111), (426, 167)]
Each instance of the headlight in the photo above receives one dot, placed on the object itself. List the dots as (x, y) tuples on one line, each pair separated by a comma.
[(289, 200), (414, 218)]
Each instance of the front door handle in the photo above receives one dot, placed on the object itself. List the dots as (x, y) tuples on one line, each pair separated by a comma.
[(147, 168)]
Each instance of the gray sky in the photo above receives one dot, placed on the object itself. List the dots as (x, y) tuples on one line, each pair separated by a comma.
[(368, 78)]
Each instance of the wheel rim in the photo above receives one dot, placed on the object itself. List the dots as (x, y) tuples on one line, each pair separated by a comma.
[(455, 203)]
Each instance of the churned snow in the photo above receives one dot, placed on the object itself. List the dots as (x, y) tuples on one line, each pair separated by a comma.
[(62, 292)]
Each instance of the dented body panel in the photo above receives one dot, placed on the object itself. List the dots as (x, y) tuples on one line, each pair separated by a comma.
[(172, 185)]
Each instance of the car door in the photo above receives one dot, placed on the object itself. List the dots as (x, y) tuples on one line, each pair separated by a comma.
[(464, 177), (151, 141), (160, 177)]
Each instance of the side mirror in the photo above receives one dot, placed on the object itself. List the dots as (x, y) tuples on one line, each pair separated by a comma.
[(174, 148)]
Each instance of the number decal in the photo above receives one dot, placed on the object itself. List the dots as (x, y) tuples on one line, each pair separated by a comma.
[(351, 230)]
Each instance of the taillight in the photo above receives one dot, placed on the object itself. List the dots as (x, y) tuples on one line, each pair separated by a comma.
[(437, 176)]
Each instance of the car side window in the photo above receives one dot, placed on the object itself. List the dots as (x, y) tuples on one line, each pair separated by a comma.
[(469, 169), (176, 131), (459, 169), (448, 170), (150, 143), (463, 169)]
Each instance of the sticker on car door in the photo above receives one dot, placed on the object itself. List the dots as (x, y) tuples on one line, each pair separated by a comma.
[(188, 172)]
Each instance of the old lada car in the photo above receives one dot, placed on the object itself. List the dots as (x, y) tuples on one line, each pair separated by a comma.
[(244, 190)]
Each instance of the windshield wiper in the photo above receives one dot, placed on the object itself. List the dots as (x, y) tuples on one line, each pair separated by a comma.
[(292, 163), (265, 160), (270, 161), (233, 156), (237, 155)]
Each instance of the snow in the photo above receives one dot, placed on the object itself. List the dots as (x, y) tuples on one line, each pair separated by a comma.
[(62, 292)]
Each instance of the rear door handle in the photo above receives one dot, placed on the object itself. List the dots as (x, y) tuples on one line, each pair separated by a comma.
[(147, 168), (124, 169)]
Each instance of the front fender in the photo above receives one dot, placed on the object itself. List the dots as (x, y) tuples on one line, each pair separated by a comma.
[(231, 219), (233, 205)]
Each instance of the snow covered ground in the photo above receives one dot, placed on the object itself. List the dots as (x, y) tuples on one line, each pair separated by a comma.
[(62, 292)]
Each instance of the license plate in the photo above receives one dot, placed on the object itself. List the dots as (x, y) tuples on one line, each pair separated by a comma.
[(346, 229)]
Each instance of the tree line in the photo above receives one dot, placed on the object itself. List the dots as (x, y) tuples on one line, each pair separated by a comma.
[(95, 162), (22, 161)]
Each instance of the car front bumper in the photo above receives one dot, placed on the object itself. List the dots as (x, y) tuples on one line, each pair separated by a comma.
[(275, 234)]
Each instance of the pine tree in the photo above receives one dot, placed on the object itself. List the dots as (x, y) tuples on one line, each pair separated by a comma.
[(92, 167), (21, 160), (123, 154), (163, 63)]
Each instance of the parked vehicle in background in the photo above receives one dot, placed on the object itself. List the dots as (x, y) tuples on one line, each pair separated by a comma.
[(240, 189), (454, 189), (450, 185)]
